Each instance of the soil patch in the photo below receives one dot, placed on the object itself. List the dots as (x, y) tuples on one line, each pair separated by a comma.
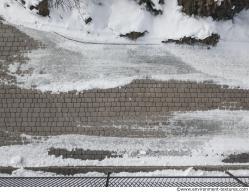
[(150, 6), (134, 35), (218, 10), (237, 158), (211, 40)]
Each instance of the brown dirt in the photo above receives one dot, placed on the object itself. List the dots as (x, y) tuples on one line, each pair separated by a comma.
[(211, 40), (219, 11), (237, 158), (134, 35)]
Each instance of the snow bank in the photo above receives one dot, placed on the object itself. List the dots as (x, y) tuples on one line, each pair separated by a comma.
[(110, 18)]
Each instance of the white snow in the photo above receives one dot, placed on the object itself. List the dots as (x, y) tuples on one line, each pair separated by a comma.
[(170, 172), (107, 66), (22, 172), (29, 3), (110, 18), (227, 63), (27, 173)]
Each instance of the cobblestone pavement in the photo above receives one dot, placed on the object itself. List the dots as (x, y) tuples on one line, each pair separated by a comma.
[(13, 43), (139, 109), (120, 112)]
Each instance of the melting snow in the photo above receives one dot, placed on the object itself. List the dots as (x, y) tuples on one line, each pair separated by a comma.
[(106, 66)]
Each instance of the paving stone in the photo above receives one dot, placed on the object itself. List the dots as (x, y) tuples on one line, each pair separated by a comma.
[(102, 112)]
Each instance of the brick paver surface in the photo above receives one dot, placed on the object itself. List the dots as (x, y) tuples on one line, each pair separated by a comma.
[(139, 109), (111, 112), (12, 44)]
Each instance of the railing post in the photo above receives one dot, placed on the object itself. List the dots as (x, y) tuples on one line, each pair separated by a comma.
[(236, 179), (107, 179)]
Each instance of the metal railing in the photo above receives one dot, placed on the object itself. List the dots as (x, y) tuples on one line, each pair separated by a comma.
[(112, 181)]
